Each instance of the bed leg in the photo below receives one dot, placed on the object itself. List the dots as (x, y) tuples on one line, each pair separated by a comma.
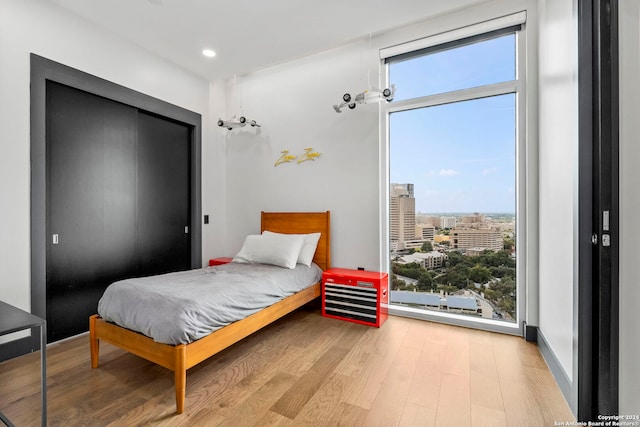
[(180, 372), (94, 343)]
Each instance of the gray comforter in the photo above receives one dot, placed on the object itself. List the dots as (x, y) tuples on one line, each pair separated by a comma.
[(182, 307)]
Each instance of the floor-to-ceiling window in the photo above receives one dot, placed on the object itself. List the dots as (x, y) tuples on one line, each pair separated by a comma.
[(456, 166)]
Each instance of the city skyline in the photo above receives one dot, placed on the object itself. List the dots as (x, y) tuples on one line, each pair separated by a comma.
[(465, 213)]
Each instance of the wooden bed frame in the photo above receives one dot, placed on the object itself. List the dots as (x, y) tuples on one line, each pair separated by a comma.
[(179, 358)]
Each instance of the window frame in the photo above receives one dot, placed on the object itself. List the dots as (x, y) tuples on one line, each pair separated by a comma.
[(518, 88)]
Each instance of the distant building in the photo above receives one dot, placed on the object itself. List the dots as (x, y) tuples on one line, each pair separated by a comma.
[(428, 260), (474, 251), (504, 226), (473, 219), (441, 238), (447, 222), (451, 303), (413, 244), (425, 232), (402, 221), (462, 304), (406, 189), (433, 221), (477, 239)]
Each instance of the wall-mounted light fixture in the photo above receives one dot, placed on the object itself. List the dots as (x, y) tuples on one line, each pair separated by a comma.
[(237, 123), (365, 97)]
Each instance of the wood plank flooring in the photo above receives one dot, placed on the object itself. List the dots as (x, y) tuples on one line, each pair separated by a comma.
[(303, 370)]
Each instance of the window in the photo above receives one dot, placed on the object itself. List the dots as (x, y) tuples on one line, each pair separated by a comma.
[(472, 65), (455, 160)]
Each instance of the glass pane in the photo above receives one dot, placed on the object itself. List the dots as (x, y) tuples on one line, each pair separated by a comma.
[(452, 207), (478, 64)]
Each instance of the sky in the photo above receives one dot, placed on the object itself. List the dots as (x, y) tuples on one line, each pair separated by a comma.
[(459, 156)]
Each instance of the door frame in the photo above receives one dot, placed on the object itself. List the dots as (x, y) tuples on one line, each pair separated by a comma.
[(43, 70), (596, 353)]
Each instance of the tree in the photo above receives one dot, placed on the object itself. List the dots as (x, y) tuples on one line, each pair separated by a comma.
[(427, 247), (509, 243), (397, 284), (456, 278), (449, 289), (491, 295), (507, 286), (425, 281), (479, 274), (500, 259), (503, 272), (454, 258), (507, 305), (411, 270)]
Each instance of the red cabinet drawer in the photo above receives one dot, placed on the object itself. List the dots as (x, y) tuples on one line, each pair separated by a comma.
[(355, 296)]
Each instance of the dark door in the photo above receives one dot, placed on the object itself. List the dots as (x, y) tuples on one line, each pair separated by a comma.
[(117, 200), (598, 292), (163, 195), (91, 166)]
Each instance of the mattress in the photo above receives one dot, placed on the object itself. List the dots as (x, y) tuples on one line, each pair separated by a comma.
[(178, 308)]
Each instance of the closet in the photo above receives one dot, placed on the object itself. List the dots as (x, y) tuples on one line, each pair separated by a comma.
[(118, 200)]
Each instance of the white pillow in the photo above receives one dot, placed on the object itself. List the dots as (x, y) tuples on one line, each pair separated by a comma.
[(308, 247), (282, 251)]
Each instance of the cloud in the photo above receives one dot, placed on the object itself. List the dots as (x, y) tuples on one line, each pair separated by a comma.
[(448, 172), (489, 171)]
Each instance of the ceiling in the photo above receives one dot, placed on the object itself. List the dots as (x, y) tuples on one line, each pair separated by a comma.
[(248, 35)]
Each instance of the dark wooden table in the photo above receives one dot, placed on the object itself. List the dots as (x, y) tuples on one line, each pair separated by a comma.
[(13, 319)]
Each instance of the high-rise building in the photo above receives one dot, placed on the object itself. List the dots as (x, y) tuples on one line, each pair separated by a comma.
[(484, 238), (433, 221), (406, 189), (473, 219), (447, 222), (402, 217), (425, 232)]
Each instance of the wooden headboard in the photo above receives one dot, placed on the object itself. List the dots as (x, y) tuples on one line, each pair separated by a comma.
[(303, 223)]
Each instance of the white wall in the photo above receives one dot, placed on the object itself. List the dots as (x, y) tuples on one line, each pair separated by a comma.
[(36, 26), (629, 20), (558, 156), (214, 188), (293, 103)]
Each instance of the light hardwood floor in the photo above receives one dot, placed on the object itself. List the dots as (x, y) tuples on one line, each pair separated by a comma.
[(303, 370)]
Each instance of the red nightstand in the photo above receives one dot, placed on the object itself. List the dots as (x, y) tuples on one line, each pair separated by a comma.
[(356, 296), (219, 261)]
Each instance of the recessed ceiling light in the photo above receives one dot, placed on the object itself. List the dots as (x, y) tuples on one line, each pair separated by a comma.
[(208, 53)]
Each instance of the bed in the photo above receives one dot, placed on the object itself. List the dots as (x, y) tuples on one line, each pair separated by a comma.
[(180, 357)]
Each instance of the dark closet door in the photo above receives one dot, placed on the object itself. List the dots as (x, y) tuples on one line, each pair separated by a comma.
[(163, 228), (118, 197), (91, 174)]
